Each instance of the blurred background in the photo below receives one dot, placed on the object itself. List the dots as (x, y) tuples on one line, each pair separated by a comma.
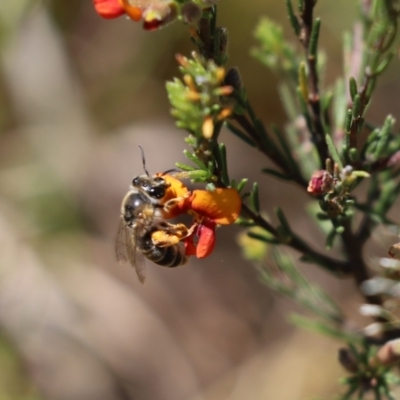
[(77, 95)]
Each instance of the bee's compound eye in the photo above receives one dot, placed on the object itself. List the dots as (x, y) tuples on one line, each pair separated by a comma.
[(157, 192)]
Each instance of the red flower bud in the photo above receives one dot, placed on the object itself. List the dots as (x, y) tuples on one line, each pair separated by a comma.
[(321, 182)]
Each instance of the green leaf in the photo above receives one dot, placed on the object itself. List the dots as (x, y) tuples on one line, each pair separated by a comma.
[(220, 153), (286, 150), (314, 37), (274, 51), (384, 137), (360, 174), (277, 174), (286, 230), (323, 328), (353, 155), (330, 239), (264, 237), (192, 157), (356, 106), (199, 175), (353, 87), (333, 152), (348, 120), (292, 18), (288, 101), (254, 198), (184, 167), (240, 186), (241, 135)]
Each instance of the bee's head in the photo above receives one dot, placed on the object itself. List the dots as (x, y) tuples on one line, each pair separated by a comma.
[(154, 187)]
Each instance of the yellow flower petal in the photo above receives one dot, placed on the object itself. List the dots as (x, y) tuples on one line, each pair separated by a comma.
[(221, 205), (176, 188)]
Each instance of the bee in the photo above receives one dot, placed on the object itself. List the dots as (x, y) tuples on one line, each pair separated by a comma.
[(143, 232)]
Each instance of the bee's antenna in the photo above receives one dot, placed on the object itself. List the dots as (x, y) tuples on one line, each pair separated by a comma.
[(143, 160), (170, 170)]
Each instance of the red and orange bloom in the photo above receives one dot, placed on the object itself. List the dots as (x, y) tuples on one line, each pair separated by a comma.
[(205, 233), (208, 208), (154, 13)]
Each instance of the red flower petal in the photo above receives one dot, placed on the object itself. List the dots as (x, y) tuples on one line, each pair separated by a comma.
[(190, 248), (206, 242), (108, 9), (152, 25)]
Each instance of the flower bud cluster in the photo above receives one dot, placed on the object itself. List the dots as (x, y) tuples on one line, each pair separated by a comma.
[(201, 99), (366, 364), (334, 184)]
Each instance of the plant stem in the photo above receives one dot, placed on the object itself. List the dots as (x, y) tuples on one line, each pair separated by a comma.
[(318, 131), (337, 267), (353, 247), (269, 151)]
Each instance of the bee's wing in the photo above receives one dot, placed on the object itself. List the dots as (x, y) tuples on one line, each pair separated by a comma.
[(135, 257), (126, 249), (120, 243)]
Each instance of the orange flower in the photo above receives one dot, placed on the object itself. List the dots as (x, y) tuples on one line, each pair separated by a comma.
[(209, 209), (155, 13)]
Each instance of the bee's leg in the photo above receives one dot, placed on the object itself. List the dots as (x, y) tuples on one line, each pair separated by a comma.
[(190, 231), (171, 234), (181, 230), (173, 202)]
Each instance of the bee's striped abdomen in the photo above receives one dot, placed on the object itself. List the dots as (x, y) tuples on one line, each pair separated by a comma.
[(170, 256)]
